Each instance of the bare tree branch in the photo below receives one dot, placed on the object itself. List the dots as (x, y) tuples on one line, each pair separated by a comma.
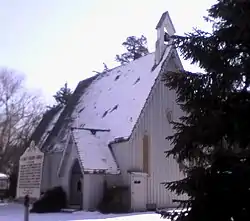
[(20, 113)]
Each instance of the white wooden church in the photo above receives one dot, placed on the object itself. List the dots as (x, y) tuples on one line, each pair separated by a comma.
[(114, 130)]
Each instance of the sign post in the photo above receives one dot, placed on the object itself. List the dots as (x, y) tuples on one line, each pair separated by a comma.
[(26, 207), (30, 173)]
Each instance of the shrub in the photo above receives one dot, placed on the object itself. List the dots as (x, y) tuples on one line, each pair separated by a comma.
[(114, 200), (53, 200)]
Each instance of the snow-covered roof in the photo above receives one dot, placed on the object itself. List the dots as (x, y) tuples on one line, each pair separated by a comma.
[(115, 99), (50, 126), (94, 152), (113, 103), (46, 125), (106, 108)]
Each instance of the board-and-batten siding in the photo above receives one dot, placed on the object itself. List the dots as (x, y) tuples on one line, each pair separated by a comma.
[(145, 153), (93, 185), (153, 122), (67, 171), (50, 167), (50, 170)]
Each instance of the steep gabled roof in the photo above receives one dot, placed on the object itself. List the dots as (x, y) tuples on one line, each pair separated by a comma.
[(112, 103), (94, 152), (114, 100), (46, 124), (61, 127), (104, 108)]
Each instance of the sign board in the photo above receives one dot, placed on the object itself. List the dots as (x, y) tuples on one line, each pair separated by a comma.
[(30, 172), (4, 181), (4, 184)]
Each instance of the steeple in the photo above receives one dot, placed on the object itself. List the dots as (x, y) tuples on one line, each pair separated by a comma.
[(165, 29)]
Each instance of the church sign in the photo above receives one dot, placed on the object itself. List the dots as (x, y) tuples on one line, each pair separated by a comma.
[(30, 172)]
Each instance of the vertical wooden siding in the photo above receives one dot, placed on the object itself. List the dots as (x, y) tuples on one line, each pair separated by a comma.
[(50, 166), (146, 156), (93, 190), (153, 121)]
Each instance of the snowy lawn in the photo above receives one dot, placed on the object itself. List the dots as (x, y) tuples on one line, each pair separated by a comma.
[(14, 212)]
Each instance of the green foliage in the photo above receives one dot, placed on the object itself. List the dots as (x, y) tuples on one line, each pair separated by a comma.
[(212, 139), (136, 47), (63, 95)]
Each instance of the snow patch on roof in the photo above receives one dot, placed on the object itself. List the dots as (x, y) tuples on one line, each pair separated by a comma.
[(94, 151), (50, 127)]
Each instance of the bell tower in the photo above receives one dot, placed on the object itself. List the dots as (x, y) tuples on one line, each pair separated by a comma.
[(165, 29)]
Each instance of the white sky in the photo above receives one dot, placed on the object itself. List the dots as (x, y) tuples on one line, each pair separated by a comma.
[(58, 41)]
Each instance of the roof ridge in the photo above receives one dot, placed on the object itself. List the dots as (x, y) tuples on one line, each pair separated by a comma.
[(119, 66), (123, 65)]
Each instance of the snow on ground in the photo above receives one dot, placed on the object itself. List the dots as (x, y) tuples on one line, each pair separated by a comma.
[(14, 212)]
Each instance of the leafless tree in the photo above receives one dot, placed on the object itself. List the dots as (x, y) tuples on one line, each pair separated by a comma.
[(20, 112)]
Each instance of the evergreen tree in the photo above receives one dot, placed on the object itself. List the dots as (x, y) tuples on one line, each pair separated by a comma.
[(212, 139), (63, 95), (136, 47)]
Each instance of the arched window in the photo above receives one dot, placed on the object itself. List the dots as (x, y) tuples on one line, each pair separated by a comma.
[(79, 186), (146, 151)]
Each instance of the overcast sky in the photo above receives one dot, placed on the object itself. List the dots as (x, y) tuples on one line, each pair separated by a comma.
[(54, 41)]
